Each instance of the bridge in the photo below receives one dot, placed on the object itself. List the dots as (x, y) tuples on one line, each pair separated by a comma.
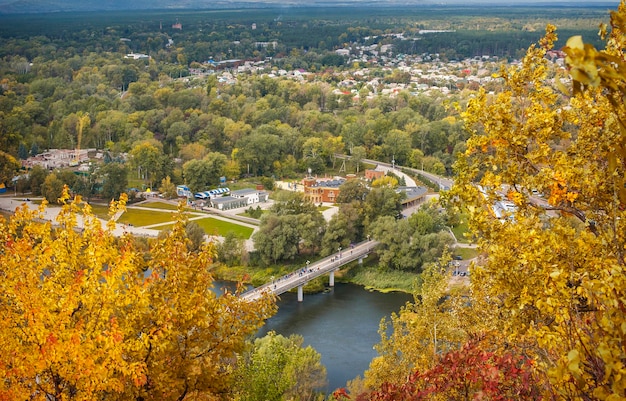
[(327, 265)]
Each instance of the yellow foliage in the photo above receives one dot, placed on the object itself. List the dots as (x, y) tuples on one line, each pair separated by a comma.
[(85, 315), (556, 269)]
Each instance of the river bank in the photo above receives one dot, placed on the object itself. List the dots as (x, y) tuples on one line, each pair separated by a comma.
[(366, 275)]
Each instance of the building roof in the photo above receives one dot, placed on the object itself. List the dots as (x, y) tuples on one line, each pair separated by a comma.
[(329, 183), (412, 192), (244, 192), (225, 199)]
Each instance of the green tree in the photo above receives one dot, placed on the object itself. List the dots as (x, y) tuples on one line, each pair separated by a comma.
[(36, 178), (310, 223), (114, 180), (232, 250), (357, 155), (196, 236), (258, 152), (344, 228), (278, 238), (22, 151), (201, 174), (279, 368), (382, 201), (352, 190), (52, 188), (397, 146), (147, 159)]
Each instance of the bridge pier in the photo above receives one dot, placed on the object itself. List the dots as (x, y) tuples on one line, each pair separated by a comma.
[(300, 296), (331, 279), (360, 261)]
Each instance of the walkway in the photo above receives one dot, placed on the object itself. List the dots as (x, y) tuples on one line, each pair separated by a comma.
[(298, 278)]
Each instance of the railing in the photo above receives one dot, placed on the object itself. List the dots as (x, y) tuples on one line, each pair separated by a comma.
[(313, 270)]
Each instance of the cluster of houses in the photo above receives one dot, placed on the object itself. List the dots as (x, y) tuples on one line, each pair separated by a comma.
[(323, 190), (317, 190), (59, 158)]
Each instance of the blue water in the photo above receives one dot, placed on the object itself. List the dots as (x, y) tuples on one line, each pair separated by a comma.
[(342, 325)]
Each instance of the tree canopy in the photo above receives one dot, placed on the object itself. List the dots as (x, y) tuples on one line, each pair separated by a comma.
[(542, 179), (555, 267), (85, 315)]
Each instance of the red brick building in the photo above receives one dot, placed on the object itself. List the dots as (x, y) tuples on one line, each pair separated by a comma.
[(371, 175), (319, 191)]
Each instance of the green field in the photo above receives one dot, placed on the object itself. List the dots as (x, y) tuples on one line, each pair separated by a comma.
[(140, 218), (159, 205), (379, 280), (220, 227), (100, 211), (213, 226), (466, 253), (461, 229)]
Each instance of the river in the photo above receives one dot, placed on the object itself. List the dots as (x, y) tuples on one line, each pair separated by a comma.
[(342, 325)]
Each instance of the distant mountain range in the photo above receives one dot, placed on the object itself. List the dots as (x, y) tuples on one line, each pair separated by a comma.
[(53, 6)]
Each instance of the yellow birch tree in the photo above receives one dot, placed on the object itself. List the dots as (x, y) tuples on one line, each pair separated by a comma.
[(554, 267), (85, 315)]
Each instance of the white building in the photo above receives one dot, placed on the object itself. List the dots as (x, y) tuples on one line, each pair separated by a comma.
[(253, 196)]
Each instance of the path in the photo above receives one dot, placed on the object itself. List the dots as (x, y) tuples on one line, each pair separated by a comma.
[(303, 275)]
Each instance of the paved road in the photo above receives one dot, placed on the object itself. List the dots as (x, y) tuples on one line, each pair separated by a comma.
[(443, 182)]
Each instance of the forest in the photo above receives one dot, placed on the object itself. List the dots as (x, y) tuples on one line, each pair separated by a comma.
[(506, 104)]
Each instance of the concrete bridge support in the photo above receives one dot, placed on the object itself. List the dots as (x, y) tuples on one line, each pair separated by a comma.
[(331, 279), (300, 296)]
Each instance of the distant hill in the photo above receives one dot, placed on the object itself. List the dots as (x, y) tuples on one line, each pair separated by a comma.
[(53, 6)]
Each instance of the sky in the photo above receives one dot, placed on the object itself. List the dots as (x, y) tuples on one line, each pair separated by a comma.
[(34, 6)]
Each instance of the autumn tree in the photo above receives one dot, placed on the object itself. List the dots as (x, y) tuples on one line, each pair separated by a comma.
[(555, 268), (479, 370), (168, 188), (85, 315), (148, 160), (8, 167), (423, 330), (52, 188)]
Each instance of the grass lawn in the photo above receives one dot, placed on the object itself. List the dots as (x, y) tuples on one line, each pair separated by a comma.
[(158, 205), (100, 211), (373, 278), (140, 218), (137, 183), (213, 226), (460, 229), (466, 253)]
